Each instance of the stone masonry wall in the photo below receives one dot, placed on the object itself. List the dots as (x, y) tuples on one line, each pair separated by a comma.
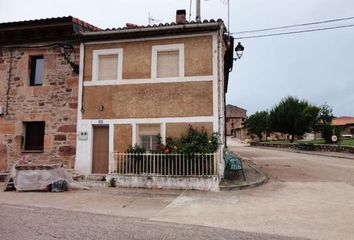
[(55, 102), (316, 147), (234, 120)]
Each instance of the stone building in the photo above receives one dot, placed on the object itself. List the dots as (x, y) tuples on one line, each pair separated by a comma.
[(235, 117), (39, 90)]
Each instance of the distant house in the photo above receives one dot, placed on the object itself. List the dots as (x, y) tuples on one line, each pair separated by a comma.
[(346, 123), (235, 117)]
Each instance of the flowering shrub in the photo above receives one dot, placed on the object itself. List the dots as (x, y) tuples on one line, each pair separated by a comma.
[(171, 146), (194, 141), (198, 141)]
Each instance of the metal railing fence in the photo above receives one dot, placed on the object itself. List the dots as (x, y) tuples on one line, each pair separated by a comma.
[(198, 164)]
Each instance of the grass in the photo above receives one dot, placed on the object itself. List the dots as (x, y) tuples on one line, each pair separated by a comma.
[(316, 141), (342, 142), (346, 142), (277, 142)]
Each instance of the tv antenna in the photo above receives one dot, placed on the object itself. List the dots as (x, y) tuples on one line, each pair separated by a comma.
[(225, 2), (152, 20)]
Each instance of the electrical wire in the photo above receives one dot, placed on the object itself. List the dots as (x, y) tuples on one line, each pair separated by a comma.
[(294, 32), (295, 25)]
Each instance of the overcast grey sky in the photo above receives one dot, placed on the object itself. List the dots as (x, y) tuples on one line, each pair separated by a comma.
[(318, 67)]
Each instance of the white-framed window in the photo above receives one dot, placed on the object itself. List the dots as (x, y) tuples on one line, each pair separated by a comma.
[(148, 135), (167, 61), (107, 64)]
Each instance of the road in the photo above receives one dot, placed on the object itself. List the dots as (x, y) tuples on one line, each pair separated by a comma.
[(308, 197), (285, 166), (32, 223)]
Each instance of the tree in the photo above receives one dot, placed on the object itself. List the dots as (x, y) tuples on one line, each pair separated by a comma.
[(323, 121), (325, 114), (328, 131), (257, 123), (293, 116)]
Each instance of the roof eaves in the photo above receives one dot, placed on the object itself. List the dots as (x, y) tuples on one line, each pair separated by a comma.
[(211, 25)]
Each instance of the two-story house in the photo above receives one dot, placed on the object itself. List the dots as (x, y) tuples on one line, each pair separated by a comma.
[(138, 82)]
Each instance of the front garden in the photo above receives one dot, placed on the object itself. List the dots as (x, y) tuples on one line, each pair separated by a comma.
[(193, 154)]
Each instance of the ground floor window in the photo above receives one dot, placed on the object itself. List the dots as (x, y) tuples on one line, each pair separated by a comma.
[(148, 135), (34, 135)]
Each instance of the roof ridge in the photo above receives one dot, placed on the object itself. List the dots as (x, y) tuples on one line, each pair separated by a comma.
[(167, 24)]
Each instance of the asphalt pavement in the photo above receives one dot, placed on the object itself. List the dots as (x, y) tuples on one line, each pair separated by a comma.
[(30, 223)]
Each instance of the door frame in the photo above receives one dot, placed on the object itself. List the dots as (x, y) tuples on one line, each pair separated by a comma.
[(109, 144)]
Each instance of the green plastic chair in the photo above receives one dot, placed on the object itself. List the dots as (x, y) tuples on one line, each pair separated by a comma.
[(233, 163)]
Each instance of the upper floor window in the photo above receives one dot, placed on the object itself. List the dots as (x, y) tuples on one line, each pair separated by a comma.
[(107, 64), (167, 61), (167, 64), (36, 74)]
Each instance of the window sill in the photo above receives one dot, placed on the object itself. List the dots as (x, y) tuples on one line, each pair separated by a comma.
[(104, 82), (32, 151)]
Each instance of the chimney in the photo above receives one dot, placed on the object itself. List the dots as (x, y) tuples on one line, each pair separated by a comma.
[(131, 25), (181, 16)]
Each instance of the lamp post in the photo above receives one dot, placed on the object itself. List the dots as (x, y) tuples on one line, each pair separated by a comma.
[(239, 51)]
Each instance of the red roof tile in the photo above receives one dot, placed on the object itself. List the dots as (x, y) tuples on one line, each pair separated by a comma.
[(341, 121), (165, 25)]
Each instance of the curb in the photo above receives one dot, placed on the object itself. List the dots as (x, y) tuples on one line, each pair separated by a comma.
[(264, 179), (315, 153)]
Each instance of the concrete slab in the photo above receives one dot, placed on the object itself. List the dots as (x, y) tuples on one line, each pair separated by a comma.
[(281, 208), (141, 203), (145, 207)]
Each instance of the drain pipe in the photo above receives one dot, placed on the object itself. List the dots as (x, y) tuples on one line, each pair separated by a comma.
[(8, 84)]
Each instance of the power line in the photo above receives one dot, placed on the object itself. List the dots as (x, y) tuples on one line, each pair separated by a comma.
[(295, 25), (295, 32)]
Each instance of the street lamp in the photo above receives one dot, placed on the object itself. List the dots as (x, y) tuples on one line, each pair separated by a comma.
[(239, 51)]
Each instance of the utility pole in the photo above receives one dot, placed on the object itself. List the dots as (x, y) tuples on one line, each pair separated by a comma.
[(197, 9)]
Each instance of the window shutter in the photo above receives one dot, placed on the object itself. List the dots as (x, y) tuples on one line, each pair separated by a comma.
[(108, 67), (167, 64)]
